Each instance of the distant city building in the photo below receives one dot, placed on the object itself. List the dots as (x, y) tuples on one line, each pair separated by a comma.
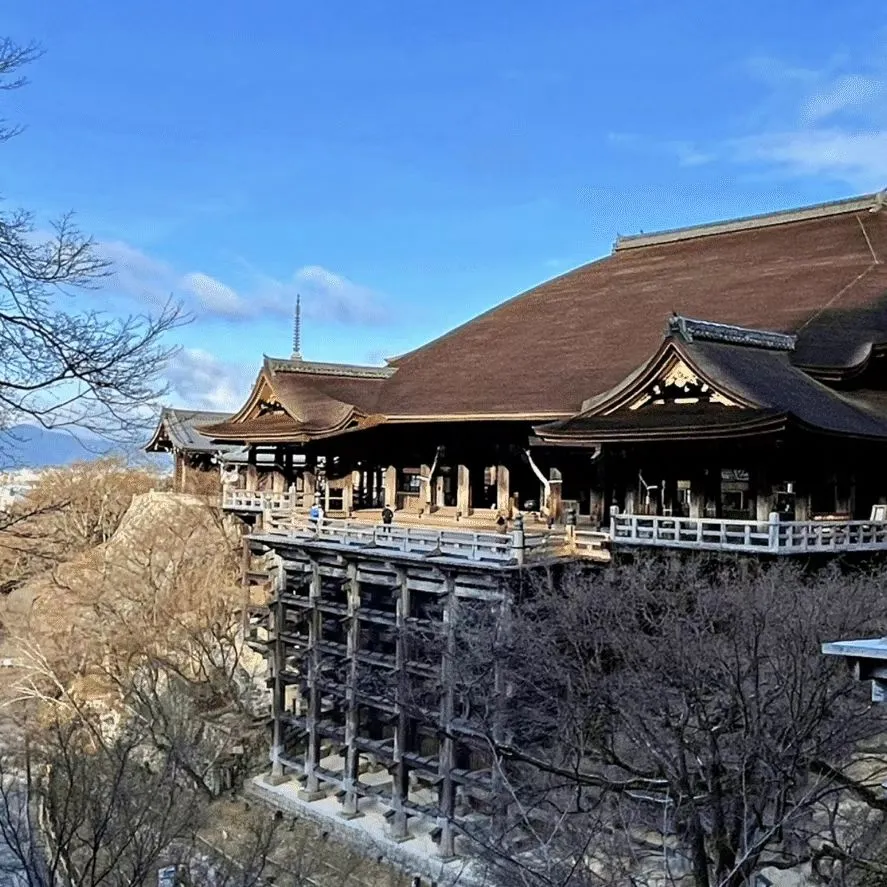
[(14, 485)]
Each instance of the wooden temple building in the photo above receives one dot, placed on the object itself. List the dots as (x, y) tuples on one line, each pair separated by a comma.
[(201, 465), (719, 387)]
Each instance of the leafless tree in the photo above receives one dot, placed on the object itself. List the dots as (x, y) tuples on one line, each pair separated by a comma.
[(673, 721), (67, 511), (63, 364), (81, 814)]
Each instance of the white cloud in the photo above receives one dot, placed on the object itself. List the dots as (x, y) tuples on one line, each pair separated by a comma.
[(330, 296), (858, 158), (137, 275), (829, 123), (687, 153), (326, 296), (850, 92), (215, 297), (200, 380)]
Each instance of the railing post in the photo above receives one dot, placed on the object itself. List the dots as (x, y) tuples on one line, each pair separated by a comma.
[(570, 529), (517, 538), (614, 514), (773, 530)]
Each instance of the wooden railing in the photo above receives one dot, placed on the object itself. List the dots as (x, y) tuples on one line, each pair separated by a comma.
[(515, 547), (250, 500), (771, 536), (474, 546)]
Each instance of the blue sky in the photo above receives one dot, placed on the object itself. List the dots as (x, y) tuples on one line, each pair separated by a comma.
[(407, 165)]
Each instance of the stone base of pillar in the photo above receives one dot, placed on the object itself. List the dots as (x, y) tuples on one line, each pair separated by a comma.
[(398, 827), (305, 795), (446, 851), (350, 814), (277, 778)]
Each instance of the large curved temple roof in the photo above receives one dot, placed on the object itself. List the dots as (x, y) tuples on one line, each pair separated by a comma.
[(819, 273)]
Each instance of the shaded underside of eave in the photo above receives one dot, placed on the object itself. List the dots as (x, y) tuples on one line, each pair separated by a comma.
[(670, 426), (764, 426), (289, 431)]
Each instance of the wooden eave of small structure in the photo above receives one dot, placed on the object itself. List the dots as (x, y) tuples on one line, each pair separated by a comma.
[(181, 430)]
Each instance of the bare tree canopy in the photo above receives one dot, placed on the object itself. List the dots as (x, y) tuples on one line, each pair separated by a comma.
[(63, 365), (673, 722)]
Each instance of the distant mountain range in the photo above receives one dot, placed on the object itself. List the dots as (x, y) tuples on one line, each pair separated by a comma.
[(29, 446)]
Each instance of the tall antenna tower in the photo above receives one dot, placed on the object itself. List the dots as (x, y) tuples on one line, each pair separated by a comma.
[(297, 330)]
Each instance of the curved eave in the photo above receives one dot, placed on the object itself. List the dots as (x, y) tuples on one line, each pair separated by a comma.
[(845, 373), (153, 445), (297, 435)]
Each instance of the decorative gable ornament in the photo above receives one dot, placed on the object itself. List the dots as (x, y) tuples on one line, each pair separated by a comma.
[(679, 384)]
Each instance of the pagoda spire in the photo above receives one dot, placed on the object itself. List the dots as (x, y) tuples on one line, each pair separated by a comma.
[(297, 330)]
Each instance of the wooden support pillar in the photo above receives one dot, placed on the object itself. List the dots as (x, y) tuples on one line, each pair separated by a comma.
[(697, 496), (400, 787), (463, 490), (765, 501), (712, 507), (503, 489), (555, 496), (501, 736), (278, 616), (177, 473), (446, 754), (312, 792), (348, 494), (252, 473), (246, 558), (630, 500), (438, 491), (309, 488), (389, 487), (596, 505), (351, 798), (278, 481), (425, 489)]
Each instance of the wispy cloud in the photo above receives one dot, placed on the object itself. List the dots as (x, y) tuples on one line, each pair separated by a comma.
[(200, 380), (830, 123), (686, 152), (326, 296), (857, 158), (846, 93)]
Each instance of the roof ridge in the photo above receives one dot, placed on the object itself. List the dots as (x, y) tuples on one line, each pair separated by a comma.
[(871, 202), (321, 368), (690, 329)]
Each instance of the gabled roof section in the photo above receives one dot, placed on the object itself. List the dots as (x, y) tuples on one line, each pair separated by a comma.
[(297, 401), (709, 380), (181, 430)]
